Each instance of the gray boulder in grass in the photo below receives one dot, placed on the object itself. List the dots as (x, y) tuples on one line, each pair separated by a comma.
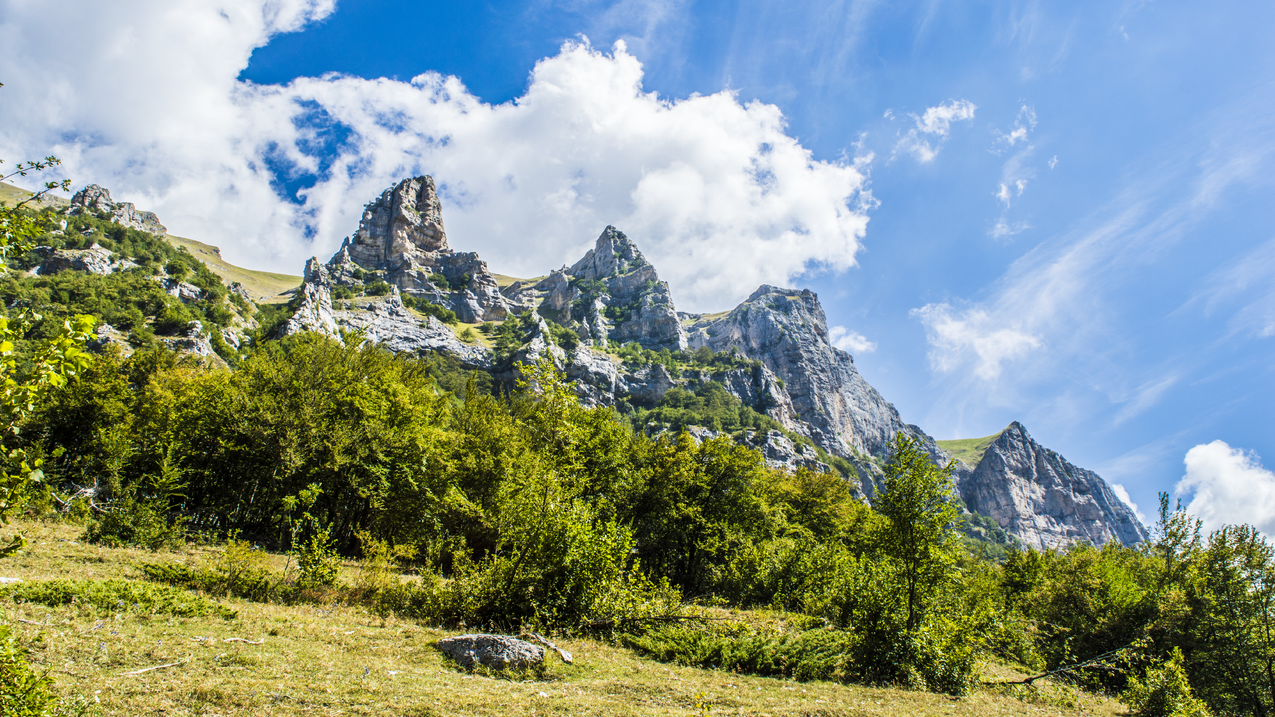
[(498, 652)]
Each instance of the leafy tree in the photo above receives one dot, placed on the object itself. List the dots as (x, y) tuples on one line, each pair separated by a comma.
[(917, 499)]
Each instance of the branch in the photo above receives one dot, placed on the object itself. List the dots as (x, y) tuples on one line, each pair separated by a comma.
[(1095, 662), (156, 667)]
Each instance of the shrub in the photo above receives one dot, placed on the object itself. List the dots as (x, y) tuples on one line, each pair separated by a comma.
[(811, 655), (23, 693), (1164, 692), (376, 288), (117, 596)]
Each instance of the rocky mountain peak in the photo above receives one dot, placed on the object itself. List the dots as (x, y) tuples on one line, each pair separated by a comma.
[(94, 199), (1043, 500), (614, 295), (397, 227)]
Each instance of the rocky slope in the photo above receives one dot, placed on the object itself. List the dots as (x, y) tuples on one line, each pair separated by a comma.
[(1041, 499), (771, 353)]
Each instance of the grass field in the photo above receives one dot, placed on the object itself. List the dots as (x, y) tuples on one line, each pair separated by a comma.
[(968, 450), (340, 660), (263, 286)]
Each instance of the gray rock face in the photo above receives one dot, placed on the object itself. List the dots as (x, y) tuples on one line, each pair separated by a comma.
[(1043, 500), (401, 238), (93, 199), (786, 330), (390, 324), (613, 295), (315, 312), (94, 260), (497, 652)]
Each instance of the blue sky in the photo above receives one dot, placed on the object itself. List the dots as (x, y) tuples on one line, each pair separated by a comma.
[(1055, 213)]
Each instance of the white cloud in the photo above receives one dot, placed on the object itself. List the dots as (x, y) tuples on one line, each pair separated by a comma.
[(1123, 495), (1053, 162), (1023, 123), (850, 341), (1004, 228), (972, 336), (935, 125), (1228, 486), (142, 97)]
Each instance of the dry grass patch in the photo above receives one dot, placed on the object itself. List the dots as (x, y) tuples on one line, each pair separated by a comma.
[(340, 660)]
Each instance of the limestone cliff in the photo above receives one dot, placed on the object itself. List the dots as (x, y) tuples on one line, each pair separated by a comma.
[(401, 241), (1043, 500), (612, 295), (786, 330), (94, 200)]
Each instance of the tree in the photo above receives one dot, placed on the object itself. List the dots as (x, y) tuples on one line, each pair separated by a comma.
[(918, 500), (27, 375)]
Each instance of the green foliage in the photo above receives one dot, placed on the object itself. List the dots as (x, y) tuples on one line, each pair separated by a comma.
[(1164, 692), (142, 514), (708, 405), (108, 597), (702, 360), (23, 693), (377, 288), (917, 499), (440, 281), (811, 655), (565, 338), (468, 335), (424, 306)]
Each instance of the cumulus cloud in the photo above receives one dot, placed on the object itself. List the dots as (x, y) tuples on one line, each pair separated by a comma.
[(144, 99), (1123, 495), (850, 341), (958, 338), (932, 129), (1227, 486)]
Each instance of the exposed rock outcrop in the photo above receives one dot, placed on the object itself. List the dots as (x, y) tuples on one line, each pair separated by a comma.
[(94, 199), (401, 239), (613, 296), (786, 330), (1043, 500), (94, 260), (498, 652)]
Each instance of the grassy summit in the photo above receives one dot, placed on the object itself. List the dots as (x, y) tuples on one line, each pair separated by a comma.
[(968, 450)]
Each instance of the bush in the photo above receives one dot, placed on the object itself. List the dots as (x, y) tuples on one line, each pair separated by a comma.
[(238, 570), (117, 596), (1164, 692), (811, 655), (377, 288), (23, 693)]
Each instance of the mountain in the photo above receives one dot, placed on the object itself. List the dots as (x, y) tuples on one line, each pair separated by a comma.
[(1039, 497), (764, 372)]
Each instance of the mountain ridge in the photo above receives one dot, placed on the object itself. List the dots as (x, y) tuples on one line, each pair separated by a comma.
[(608, 321)]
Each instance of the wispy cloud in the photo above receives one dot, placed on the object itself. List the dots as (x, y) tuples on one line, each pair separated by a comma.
[(971, 336), (932, 128), (1069, 293), (850, 341), (1248, 281), (1123, 495)]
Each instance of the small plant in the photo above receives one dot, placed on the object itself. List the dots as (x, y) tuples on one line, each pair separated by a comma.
[(468, 335), (23, 693)]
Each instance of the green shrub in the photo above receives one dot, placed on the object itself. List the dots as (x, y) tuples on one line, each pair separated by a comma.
[(377, 288), (238, 569), (811, 655), (117, 596), (23, 693), (318, 562), (1164, 692)]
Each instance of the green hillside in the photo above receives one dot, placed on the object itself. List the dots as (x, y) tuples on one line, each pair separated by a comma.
[(968, 450), (263, 286)]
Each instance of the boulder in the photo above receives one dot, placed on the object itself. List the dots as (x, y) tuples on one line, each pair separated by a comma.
[(497, 652), (93, 199)]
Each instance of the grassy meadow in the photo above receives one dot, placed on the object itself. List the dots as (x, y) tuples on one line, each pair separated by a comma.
[(328, 658)]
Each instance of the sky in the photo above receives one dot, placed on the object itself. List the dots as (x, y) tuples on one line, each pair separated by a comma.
[(1056, 213)]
